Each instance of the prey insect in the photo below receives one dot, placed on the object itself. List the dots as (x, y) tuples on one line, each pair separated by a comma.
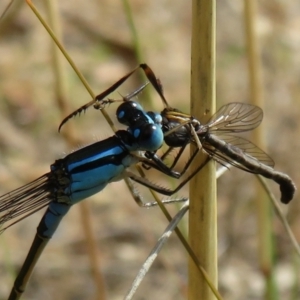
[(214, 138)]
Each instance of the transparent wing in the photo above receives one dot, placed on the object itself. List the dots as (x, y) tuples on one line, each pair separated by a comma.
[(240, 153), (24, 201), (235, 117)]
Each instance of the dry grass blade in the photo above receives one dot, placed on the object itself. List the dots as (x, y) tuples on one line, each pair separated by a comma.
[(280, 215), (160, 243), (154, 252)]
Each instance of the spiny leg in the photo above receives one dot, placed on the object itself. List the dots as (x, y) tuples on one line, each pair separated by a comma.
[(163, 158), (139, 199), (168, 170), (154, 161), (155, 82), (95, 102), (162, 190), (98, 98), (100, 104)]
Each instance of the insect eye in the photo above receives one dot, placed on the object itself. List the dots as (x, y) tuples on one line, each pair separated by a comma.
[(149, 137), (157, 118), (128, 111)]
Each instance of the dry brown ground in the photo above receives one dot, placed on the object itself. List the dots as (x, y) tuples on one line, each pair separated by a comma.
[(97, 37)]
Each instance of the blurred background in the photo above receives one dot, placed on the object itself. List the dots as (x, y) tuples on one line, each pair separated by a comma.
[(96, 35)]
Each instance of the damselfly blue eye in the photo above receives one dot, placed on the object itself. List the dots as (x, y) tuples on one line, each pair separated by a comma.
[(128, 112)]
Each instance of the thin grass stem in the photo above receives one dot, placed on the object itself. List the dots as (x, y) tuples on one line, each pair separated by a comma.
[(203, 217)]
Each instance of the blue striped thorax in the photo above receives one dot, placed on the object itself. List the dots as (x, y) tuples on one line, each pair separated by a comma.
[(88, 170)]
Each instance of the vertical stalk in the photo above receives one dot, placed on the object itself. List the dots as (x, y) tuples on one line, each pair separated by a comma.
[(264, 216), (202, 220)]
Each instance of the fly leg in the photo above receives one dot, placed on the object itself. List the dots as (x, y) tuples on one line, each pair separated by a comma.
[(99, 100)]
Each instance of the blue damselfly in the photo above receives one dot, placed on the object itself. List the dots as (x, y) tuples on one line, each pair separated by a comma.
[(81, 174)]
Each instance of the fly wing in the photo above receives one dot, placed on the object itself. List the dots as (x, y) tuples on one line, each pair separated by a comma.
[(243, 148), (235, 117)]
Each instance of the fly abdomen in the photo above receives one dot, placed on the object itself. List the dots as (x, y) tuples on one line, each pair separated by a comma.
[(249, 163), (287, 186), (244, 161)]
